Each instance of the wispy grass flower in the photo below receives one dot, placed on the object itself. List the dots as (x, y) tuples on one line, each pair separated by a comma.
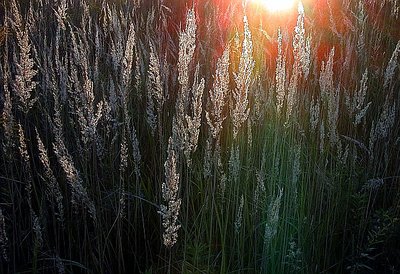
[(155, 91), (271, 226), (3, 236), (243, 78), (24, 83), (217, 95), (280, 75), (79, 192), (301, 44), (7, 117), (392, 65), (187, 119), (239, 215), (53, 191), (170, 194), (356, 104), (27, 169)]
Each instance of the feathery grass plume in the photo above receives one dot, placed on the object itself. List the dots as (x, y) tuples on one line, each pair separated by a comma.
[(193, 120), (207, 162), (239, 215), (361, 114), (61, 14), (296, 164), (236, 42), (151, 116), (394, 12), (277, 162), (123, 154), (84, 107), (31, 18), (314, 113), (392, 65), (37, 229), (259, 191), (356, 104), (342, 153), (271, 226), (127, 61), (292, 91), (59, 265), (260, 188), (117, 47), (330, 95), (122, 168), (260, 100), (294, 257), (296, 170), (53, 191), (243, 79), (373, 184), (234, 164), (217, 94), (3, 237), (60, 68), (249, 134), (187, 46), (78, 50), (155, 90), (386, 119), (333, 115), (186, 128), (23, 151), (137, 157), (17, 21), (183, 136), (24, 83), (79, 193), (326, 76), (107, 120), (106, 18), (170, 194), (93, 115), (86, 21), (321, 137), (280, 75), (87, 112), (380, 129), (332, 23), (113, 98), (7, 116), (57, 125), (222, 183), (301, 45), (138, 71), (97, 52), (122, 200), (155, 84), (126, 72), (348, 54), (27, 170), (361, 21), (220, 170)]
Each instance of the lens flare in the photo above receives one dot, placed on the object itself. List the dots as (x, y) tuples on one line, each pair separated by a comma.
[(277, 5)]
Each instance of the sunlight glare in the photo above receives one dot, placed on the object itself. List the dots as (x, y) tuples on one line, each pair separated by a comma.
[(277, 5)]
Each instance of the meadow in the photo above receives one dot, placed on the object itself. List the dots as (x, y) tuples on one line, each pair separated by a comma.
[(202, 136)]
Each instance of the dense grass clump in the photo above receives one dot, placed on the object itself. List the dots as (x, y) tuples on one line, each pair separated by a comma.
[(199, 137)]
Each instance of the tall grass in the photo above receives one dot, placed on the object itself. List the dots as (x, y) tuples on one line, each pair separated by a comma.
[(206, 137)]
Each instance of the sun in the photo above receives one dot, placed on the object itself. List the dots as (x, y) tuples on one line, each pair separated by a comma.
[(276, 5)]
